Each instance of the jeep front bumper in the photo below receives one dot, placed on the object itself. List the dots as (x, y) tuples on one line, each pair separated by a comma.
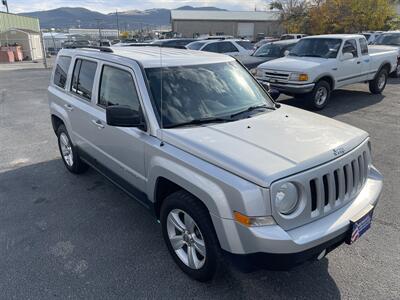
[(303, 242)]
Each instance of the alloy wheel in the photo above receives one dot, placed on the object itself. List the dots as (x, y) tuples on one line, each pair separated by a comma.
[(186, 239), (66, 149)]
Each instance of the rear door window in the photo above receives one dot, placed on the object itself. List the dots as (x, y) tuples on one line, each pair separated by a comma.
[(83, 78), (227, 47), (213, 47), (60, 74), (246, 45)]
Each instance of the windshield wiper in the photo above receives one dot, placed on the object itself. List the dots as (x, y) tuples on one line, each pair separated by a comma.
[(200, 122), (251, 108), (312, 55)]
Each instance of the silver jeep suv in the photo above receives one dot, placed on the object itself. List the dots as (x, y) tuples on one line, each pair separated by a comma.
[(229, 173)]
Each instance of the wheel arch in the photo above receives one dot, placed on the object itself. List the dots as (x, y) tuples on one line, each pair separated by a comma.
[(328, 78), (56, 122), (385, 65)]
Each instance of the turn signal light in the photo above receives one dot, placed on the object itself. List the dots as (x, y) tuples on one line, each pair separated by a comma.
[(303, 77), (253, 221)]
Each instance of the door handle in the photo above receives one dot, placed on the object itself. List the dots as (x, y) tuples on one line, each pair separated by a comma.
[(69, 107), (359, 62), (98, 124)]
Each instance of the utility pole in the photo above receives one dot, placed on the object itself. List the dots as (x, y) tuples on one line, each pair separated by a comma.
[(5, 4), (98, 26), (116, 13)]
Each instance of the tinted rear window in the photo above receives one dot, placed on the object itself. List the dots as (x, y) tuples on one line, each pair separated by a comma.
[(60, 74), (195, 46), (83, 78)]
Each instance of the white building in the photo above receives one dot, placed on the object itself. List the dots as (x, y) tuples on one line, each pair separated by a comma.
[(94, 33), (245, 24)]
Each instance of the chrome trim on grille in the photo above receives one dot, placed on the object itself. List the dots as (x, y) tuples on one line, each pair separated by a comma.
[(326, 188), (274, 76)]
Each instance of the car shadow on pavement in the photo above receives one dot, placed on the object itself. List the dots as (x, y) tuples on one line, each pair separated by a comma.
[(80, 237), (341, 102)]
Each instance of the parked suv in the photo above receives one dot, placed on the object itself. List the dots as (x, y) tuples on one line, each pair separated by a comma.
[(232, 47), (229, 173)]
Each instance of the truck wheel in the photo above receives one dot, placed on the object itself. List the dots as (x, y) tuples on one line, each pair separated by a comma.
[(320, 95), (378, 84), (68, 152), (190, 236)]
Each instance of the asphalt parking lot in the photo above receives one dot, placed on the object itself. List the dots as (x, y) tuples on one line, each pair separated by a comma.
[(66, 236)]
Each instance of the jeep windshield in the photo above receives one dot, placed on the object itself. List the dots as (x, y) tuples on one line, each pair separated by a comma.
[(199, 94), (317, 47)]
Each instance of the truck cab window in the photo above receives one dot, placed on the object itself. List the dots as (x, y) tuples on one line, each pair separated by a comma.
[(350, 46)]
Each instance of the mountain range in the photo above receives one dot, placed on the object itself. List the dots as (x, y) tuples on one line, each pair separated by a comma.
[(75, 17)]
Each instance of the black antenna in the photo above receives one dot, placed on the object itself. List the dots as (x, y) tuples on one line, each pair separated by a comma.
[(161, 99)]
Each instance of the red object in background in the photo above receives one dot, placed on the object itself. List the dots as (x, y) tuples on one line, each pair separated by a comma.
[(18, 54), (7, 56)]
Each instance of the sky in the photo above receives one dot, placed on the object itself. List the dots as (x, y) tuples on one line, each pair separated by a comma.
[(104, 6)]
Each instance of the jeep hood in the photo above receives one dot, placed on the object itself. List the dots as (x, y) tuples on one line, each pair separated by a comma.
[(293, 64), (268, 146)]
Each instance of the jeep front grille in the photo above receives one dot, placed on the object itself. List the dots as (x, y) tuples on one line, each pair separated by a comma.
[(339, 185), (325, 188)]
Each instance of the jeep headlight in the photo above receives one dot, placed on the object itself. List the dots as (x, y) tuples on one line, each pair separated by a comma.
[(298, 77), (287, 198)]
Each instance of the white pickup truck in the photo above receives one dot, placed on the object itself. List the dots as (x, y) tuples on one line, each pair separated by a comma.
[(317, 65)]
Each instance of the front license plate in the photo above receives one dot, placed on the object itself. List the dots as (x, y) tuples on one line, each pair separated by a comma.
[(360, 225)]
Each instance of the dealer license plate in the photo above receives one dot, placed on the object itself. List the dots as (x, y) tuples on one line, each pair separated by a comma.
[(360, 225)]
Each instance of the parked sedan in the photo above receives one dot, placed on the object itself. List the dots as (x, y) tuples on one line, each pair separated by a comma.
[(234, 47), (267, 52)]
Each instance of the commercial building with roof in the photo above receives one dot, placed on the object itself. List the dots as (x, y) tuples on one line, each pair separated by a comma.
[(12, 21), (244, 24), (20, 38)]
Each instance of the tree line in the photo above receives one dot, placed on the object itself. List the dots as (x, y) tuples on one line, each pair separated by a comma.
[(337, 16)]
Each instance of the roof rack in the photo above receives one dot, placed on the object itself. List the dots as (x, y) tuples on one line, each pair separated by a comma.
[(102, 49), (152, 45)]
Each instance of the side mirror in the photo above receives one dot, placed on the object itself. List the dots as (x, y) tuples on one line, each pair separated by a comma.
[(274, 93), (347, 56), (123, 116), (286, 53)]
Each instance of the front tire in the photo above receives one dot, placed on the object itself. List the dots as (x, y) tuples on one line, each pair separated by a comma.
[(320, 95), (190, 236), (69, 153), (378, 84)]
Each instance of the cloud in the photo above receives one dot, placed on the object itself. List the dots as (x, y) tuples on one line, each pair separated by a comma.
[(104, 6)]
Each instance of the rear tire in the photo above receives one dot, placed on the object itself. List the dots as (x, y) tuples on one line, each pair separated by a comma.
[(69, 153), (320, 95), (378, 84), (194, 231)]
